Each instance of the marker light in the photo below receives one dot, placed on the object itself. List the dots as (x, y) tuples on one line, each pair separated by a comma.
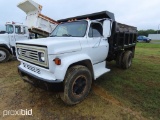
[(57, 61)]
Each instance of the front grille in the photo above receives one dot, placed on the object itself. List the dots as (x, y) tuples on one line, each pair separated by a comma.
[(30, 54)]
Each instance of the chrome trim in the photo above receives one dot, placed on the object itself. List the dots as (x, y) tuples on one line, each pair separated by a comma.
[(30, 54)]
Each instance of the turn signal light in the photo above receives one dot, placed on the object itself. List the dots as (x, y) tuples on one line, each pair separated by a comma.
[(57, 61)]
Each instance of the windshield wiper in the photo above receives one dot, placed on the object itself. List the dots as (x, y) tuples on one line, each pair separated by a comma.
[(68, 35)]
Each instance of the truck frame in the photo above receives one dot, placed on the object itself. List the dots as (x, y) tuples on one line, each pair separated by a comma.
[(76, 53)]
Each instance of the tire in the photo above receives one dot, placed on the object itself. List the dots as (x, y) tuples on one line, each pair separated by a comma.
[(4, 55), (77, 85), (127, 59), (119, 59)]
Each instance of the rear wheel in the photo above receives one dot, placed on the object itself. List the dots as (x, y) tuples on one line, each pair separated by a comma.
[(77, 85), (147, 41), (127, 59), (4, 55), (119, 59)]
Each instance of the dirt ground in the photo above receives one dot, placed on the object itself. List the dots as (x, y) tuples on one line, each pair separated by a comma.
[(16, 95)]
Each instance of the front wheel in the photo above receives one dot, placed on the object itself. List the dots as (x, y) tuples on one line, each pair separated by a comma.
[(77, 85), (4, 55)]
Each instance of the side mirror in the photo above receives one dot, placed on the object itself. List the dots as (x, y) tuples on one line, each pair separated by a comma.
[(107, 28)]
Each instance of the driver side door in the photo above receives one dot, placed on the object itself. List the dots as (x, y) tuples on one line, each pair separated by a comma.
[(20, 33), (11, 36), (97, 44)]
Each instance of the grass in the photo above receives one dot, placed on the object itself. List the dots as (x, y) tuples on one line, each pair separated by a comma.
[(15, 95), (139, 86), (155, 41)]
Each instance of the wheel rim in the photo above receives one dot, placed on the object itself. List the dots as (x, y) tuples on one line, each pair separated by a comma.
[(79, 85), (2, 55)]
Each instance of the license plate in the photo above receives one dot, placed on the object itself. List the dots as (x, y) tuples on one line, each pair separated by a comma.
[(31, 68)]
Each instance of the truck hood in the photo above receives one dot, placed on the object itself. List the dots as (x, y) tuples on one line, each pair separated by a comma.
[(56, 45)]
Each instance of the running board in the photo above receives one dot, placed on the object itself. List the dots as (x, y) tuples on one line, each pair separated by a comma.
[(100, 69)]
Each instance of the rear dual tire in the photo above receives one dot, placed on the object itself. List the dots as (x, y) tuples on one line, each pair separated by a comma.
[(127, 60), (124, 59)]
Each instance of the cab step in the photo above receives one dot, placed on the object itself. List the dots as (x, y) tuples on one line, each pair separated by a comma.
[(100, 69)]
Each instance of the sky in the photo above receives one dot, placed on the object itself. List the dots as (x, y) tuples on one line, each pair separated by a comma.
[(143, 14)]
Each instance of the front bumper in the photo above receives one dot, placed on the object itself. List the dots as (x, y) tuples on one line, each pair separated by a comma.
[(36, 81)]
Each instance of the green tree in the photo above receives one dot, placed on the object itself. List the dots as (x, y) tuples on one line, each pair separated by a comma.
[(146, 32)]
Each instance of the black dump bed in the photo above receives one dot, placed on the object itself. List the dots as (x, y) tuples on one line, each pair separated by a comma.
[(122, 37), (93, 16)]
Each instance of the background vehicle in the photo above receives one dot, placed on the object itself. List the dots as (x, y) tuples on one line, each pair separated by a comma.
[(143, 39), (76, 53), (35, 23), (14, 32)]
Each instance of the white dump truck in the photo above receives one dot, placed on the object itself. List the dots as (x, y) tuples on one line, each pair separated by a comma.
[(14, 32), (76, 53), (35, 23)]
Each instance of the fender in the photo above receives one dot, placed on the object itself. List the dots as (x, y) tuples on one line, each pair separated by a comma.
[(2, 44), (60, 71)]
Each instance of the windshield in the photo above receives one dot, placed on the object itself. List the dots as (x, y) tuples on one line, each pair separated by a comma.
[(9, 29), (70, 29)]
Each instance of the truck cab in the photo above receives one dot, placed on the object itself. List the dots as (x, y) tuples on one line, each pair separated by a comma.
[(14, 32), (75, 54)]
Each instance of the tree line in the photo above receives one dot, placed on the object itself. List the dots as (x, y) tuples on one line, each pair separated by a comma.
[(147, 32)]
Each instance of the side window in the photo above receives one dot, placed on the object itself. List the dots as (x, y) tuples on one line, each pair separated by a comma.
[(95, 30), (17, 29)]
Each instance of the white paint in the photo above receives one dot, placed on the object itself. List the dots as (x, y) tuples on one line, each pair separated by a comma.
[(11, 38), (72, 50), (100, 69), (33, 20)]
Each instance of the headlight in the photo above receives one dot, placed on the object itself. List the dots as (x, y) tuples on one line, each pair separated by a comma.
[(18, 51), (41, 56)]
